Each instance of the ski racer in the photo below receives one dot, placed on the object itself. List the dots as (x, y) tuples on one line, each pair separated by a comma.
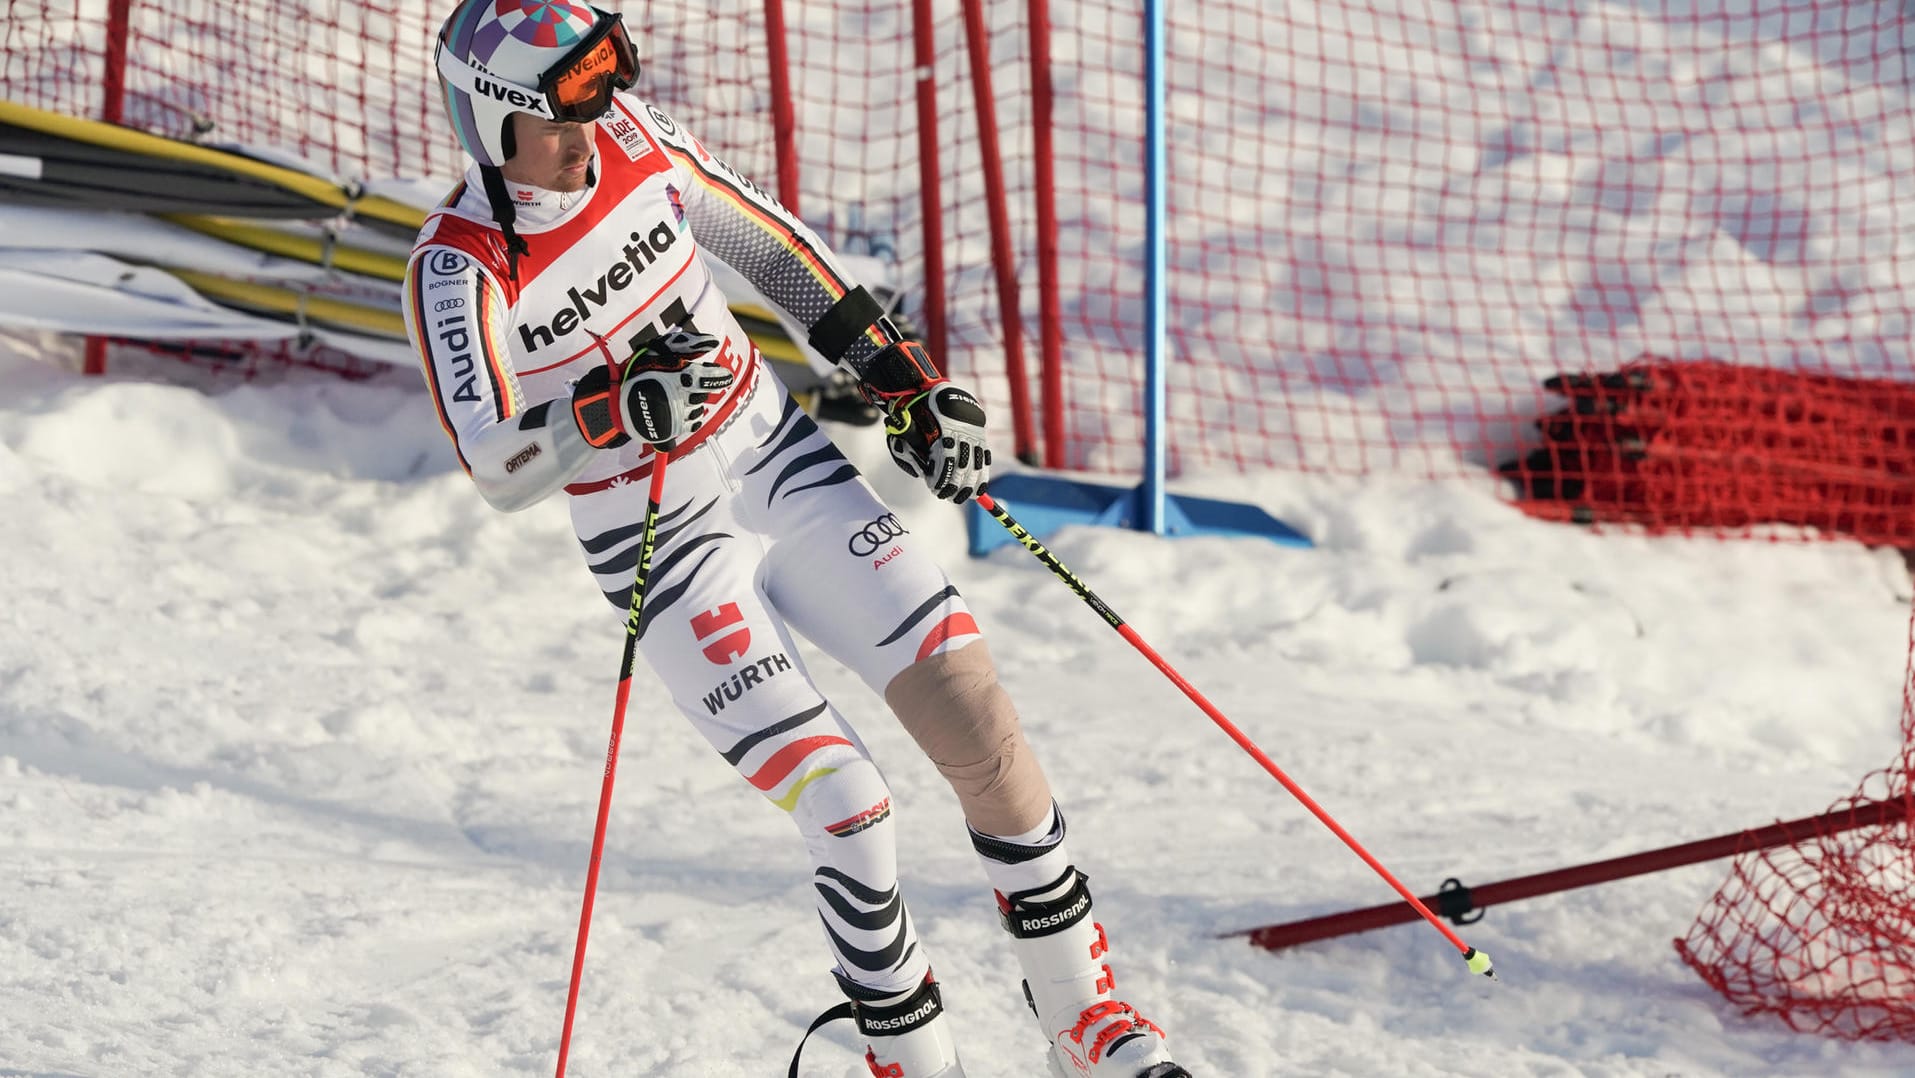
[(571, 335)]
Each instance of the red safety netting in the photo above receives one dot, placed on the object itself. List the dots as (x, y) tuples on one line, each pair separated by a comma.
[(1393, 226), (1715, 447), (1821, 933), (1388, 221), (342, 85)]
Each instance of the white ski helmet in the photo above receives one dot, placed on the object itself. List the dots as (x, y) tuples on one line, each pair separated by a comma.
[(560, 59)]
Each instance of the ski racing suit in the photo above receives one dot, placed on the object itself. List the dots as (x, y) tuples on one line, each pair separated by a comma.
[(765, 527)]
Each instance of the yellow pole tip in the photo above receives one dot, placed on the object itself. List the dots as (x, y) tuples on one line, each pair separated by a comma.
[(1479, 962)]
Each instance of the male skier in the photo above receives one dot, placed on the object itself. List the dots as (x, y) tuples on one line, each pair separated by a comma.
[(571, 335)]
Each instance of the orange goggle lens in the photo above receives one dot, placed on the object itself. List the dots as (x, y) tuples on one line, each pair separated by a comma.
[(582, 89)]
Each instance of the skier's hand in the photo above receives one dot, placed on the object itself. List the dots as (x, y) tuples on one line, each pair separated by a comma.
[(935, 430), (659, 396), (938, 436)]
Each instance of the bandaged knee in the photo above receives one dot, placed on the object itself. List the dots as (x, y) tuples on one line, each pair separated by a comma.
[(953, 707)]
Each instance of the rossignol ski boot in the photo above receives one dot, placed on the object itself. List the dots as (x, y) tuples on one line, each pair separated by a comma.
[(1070, 987), (905, 1032)]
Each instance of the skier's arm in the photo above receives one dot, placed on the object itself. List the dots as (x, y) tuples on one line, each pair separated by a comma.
[(455, 315), (935, 430), (740, 223)]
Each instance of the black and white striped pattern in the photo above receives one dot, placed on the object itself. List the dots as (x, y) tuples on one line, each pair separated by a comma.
[(614, 554), (821, 465), (870, 929)]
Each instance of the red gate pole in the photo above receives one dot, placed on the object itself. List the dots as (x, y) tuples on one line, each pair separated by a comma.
[(119, 23), (783, 120), (1452, 902), (930, 204), (1050, 305), (978, 44)]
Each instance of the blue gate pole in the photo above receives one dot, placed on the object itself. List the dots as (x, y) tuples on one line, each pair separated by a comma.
[(1155, 305)]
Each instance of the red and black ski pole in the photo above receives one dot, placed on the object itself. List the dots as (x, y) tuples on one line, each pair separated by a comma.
[(1477, 961), (626, 663)]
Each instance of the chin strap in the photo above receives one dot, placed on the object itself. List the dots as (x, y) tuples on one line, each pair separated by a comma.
[(505, 214)]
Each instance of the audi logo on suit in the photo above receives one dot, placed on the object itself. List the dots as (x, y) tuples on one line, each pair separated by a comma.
[(874, 535)]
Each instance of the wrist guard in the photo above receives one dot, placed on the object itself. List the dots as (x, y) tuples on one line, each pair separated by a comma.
[(898, 375)]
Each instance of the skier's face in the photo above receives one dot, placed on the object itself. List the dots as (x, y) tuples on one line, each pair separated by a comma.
[(549, 154)]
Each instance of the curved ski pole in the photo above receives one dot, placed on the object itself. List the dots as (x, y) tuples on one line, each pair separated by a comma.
[(1477, 961), (626, 663)]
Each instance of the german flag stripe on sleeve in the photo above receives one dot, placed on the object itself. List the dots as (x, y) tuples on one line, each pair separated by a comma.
[(417, 300), (835, 287), (505, 400)]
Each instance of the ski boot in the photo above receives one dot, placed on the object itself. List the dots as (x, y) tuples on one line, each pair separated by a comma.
[(905, 1032), (1069, 986)]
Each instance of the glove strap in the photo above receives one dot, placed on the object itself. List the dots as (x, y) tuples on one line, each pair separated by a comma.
[(898, 419), (595, 410), (898, 375)]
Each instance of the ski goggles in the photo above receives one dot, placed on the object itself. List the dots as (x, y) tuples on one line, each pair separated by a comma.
[(578, 89)]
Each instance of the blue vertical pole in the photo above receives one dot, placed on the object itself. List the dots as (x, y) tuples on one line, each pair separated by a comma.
[(1155, 305)]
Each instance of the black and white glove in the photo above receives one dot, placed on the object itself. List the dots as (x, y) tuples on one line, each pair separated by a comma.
[(935, 430), (659, 396)]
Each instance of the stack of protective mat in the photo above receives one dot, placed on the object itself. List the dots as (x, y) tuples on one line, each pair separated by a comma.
[(114, 233), (1716, 446)]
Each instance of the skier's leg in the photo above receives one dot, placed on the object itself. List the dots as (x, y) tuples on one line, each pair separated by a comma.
[(713, 637), (850, 577), (954, 707), (963, 720), (1046, 906)]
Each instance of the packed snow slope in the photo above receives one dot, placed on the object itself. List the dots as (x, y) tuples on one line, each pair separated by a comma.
[(300, 745)]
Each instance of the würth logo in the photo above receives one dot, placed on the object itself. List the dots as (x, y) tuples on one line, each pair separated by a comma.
[(644, 249), (723, 633), (744, 681)]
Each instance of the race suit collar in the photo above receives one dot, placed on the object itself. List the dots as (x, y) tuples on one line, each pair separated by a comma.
[(538, 207)]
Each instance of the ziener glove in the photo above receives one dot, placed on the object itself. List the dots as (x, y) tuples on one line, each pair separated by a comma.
[(934, 429), (659, 395)]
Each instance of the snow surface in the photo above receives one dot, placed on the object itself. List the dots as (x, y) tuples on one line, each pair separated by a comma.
[(300, 746)]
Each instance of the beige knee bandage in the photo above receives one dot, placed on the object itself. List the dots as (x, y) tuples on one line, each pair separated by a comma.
[(962, 718)]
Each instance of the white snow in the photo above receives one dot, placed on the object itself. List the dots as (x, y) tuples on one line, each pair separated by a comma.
[(300, 746), (300, 743)]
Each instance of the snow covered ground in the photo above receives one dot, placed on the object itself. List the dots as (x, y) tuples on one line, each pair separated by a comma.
[(300, 746)]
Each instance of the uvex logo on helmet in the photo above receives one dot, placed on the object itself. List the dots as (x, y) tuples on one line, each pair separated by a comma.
[(647, 247), (512, 96)]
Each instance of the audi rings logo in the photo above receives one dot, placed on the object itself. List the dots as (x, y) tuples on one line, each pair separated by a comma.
[(875, 534)]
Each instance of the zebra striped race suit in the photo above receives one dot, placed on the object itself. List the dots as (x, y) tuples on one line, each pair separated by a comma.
[(766, 528)]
